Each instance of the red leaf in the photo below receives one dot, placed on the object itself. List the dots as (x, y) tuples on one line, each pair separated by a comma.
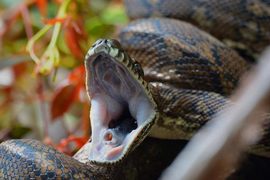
[(73, 43), (80, 141), (54, 20), (63, 98), (67, 92), (77, 75), (79, 28), (8, 97), (19, 69), (74, 33), (42, 6)]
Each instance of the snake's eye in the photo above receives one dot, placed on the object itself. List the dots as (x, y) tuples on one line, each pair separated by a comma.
[(115, 44)]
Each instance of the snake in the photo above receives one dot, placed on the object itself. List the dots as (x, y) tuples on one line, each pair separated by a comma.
[(170, 72)]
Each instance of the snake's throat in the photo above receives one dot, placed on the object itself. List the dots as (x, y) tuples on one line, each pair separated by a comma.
[(119, 107)]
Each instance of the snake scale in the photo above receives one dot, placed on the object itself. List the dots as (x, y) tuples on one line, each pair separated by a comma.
[(166, 79)]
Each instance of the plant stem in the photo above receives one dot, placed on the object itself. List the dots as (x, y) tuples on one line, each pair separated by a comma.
[(30, 45), (61, 14)]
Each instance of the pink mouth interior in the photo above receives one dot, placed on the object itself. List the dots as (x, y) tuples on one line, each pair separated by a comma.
[(119, 108)]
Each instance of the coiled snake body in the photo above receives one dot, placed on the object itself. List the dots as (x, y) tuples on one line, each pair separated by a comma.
[(166, 79)]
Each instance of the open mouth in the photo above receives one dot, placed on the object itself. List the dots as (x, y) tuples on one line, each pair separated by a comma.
[(120, 107)]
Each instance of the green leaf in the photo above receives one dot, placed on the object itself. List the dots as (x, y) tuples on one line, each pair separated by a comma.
[(114, 14), (19, 131)]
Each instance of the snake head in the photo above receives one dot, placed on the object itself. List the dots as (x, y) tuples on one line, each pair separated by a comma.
[(122, 107)]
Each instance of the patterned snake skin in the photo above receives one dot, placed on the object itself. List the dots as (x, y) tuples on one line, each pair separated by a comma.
[(193, 71), (242, 24), (175, 52), (31, 159)]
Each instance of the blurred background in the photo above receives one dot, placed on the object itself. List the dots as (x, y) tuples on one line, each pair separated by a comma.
[(42, 48)]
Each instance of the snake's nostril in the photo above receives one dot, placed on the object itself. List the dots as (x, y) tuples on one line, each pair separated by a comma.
[(99, 41), (103, 43)]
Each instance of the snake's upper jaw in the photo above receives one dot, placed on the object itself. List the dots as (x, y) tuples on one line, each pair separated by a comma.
[(122, 111)]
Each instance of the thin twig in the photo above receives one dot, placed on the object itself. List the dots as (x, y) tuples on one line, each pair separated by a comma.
[(42, 107)]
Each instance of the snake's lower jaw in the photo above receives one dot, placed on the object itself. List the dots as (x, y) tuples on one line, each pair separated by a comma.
[(120, 108)]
